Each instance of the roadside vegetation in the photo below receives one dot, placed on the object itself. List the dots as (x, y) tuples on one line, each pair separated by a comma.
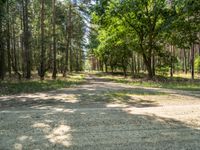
[(179, 82), (9, 87)]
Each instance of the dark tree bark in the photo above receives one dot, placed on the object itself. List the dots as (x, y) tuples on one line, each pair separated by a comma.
[(192, 61), (133, 65), (54, 40), (8, 41), (26, 40), (148, 64), (14, 60), (70, 36), (171, 65), (153, 65), (185, 61), (2, 46), (68, 45), (124, 66), (77, 60), (106, 67), (42, 55), (199, 49), (2, 52), (138, 64)]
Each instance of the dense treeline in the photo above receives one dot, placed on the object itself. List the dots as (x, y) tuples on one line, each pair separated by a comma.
[(155, 36), (151, 36), (41, 35)]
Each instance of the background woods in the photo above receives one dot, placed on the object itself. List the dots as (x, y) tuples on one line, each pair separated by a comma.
[(157, 37), (43, 36), (154, 36)]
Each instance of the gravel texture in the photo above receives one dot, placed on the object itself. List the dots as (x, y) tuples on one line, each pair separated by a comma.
[(91, 117)]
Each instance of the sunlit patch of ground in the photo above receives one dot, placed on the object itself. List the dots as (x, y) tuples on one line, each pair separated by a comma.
[(101, 114)]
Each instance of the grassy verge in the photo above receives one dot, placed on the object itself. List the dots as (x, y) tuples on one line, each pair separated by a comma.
[(178, 83), (35, 85)]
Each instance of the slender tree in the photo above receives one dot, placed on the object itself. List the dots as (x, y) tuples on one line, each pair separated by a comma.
[(26, 39), (54, 39), (42, 54)]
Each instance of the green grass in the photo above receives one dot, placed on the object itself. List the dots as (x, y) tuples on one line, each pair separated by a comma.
[(32, 86), (177, 83)]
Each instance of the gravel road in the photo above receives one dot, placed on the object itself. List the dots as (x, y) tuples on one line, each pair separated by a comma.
[(94, 116)]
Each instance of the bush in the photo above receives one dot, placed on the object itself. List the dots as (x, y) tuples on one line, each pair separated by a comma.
[(197, 64), (162, 70)]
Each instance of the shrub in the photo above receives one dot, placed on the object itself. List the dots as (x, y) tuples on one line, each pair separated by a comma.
[(197, 64)]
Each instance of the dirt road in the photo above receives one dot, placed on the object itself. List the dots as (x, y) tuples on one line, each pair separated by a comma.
[(101, 115)]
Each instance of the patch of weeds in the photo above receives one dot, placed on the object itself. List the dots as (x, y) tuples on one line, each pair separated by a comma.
[(176, 83), (141, 91), (32, 86)]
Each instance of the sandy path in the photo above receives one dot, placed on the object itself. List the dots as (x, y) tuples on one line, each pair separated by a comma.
[(89, 117)]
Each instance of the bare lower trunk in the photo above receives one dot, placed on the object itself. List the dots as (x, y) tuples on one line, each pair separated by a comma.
[(185, 61), (2, 54), (133, 65), (42, 56), (8, 42), (26, 40), (171, 65), (147, 62), (192, 61), (54, 41)]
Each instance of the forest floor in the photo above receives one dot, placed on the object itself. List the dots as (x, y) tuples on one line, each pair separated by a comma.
[(101, 114)]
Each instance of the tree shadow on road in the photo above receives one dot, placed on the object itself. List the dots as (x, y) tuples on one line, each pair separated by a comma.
[(44, 122)]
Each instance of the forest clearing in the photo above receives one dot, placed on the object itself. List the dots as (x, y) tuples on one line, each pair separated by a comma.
[(99, 74)]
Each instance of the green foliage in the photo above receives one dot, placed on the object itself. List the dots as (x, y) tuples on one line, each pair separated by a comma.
[(159, 82), (186, 26), (162, 70), (18, 87), (197, 64), (132, 25)]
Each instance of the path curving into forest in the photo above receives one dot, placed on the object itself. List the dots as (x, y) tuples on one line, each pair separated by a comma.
[(101, 115)]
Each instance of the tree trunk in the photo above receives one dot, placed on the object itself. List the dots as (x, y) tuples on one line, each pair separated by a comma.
[(192, 61), (133, 65), (138, 64), (2, 54), (185, 61), (124, 66), (77, 60), (171, 65), (153, 65), (22, 42), (147, 62), (14, 56), (68, 31), (54, 40), (26, 40), (106, 67), (42, 56), (199, 49), (70, 36), (8, 41)]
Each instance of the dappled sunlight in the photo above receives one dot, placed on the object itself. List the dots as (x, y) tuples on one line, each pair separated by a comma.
[(111, 105), (25, 116), (23, 138), (40, 125), (18, 146), (100, 115), (61, 135), (189, 115)]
